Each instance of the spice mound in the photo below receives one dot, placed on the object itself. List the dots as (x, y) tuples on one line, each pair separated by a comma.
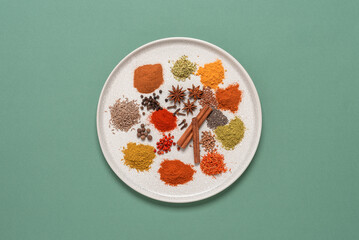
[(229, 98), (208, 98), (212, 74), (164, 144), (231, 134), (138, 156), (124, 114), (216, 118), (207, 141), (183, 68), (175, 172), (212, 164), (148, 78), (163, 120)]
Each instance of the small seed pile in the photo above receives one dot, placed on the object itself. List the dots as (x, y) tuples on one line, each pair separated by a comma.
[(124, 114), (216, 118), (183, 68), (207, 141), (208, 98), (164, 144), (144, 133), (151, 102)]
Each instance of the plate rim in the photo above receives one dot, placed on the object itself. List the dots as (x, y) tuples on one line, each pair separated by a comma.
[(210, 193)]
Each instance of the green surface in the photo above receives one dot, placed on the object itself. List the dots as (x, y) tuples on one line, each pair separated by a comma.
[(303, 57)]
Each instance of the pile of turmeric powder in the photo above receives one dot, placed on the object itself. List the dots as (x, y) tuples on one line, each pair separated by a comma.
[(138, 156), (212, 74)]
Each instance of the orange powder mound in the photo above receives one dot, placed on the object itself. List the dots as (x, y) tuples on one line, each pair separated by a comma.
[(175, 172), (229, 98), (148, 78), (163, 120), (212, 74)]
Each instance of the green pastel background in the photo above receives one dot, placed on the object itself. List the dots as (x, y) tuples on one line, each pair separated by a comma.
[(303, 57)]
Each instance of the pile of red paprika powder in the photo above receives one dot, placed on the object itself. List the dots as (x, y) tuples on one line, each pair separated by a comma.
[(175, 172), (163, 120)]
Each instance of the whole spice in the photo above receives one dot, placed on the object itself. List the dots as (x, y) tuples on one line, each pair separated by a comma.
[(151, 102), (213, 164), (163, 120), (170, 107), (184, 126), (195, 92), (188, 134), (229, 98), (189, 107), (183, 68), (212, 74), (216, 118), (164, 144), (182, 122), (143, 133), (138, 156), (196, 150), (207, 141), (148, 78), (175, 172), (208, 98), (175, 112), (231, 134), (177, 94), (124, 114)]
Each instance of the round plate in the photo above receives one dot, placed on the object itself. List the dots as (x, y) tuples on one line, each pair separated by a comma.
[(120, 84)]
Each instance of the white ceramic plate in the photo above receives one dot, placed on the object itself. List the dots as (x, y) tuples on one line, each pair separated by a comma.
[(120, 83)]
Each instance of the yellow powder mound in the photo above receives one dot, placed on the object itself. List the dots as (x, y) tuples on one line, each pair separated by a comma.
[(138, 156)]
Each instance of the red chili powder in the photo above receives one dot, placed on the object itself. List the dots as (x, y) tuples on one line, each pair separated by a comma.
[(175, 172), (229, 98), (212, 164), (163, 120), (148, 78)]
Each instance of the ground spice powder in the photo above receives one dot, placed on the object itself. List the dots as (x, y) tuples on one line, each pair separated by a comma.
[(148, 78), (213, 164), (175, 172), (138, 156), (229, 98), (163, 120), (212, 74), (231, 134)]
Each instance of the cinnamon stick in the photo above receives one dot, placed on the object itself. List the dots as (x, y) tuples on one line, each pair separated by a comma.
[(200, 122), (189, 129), (188, 134), (195, 131)]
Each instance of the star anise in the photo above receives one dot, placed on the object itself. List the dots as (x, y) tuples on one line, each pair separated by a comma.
[(189, 107), (195, 92), (177, 94)]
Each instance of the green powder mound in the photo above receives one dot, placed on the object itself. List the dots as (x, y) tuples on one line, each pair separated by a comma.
[(183, 68), (231, 134)]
